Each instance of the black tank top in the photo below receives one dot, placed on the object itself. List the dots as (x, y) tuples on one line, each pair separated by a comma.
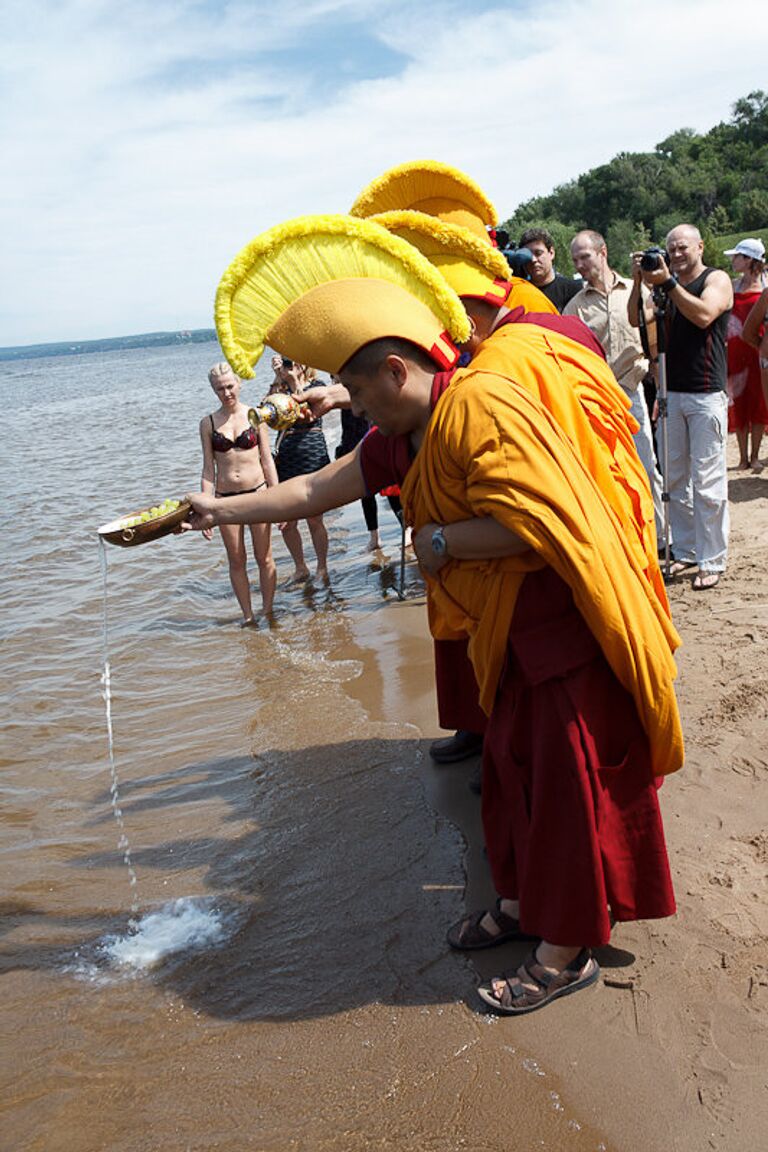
[(696, 357)]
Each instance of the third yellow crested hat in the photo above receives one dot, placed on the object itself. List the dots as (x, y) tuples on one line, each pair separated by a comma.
[(433, 188), (318, 288), (473, 268)]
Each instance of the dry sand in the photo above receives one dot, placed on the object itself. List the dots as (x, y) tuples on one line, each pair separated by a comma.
[(671, 1051)]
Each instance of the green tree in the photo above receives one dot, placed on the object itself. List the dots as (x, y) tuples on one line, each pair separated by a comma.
[(717, 180), (622, 239)]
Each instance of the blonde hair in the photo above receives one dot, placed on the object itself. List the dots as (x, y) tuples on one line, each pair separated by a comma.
[(221, 369)]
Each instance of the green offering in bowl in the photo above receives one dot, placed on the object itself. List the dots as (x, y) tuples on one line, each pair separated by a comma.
[(146, 524)]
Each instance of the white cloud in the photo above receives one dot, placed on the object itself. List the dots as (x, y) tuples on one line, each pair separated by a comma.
[(146, 144)]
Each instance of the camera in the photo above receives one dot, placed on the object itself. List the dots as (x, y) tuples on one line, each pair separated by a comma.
[(519, 260), (651, 259)]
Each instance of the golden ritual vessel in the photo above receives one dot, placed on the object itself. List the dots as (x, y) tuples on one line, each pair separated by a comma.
[(278, 411)]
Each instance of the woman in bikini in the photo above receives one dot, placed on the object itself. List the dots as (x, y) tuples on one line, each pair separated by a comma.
[(237, 458)]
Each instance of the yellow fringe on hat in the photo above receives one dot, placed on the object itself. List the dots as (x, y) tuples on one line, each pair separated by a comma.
[(285, 263), (430, 187), (435, 237)]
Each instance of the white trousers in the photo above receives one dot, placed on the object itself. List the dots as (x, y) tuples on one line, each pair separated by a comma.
[(697, 426), (644, 445)]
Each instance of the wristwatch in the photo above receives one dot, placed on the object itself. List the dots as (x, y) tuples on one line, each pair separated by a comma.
[(439, 545)]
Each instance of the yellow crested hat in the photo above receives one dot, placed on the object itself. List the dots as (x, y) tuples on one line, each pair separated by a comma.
[(433, 188), (471, 266), (318, 288)]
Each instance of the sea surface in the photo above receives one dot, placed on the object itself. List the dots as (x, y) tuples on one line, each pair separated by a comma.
[(232, 935)]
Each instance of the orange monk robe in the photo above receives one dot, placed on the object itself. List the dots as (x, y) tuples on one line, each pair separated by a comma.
[(523, 294), (580, 392), (493, 449)]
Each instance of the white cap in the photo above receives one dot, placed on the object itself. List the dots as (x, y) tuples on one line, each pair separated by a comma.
[(754, 249)]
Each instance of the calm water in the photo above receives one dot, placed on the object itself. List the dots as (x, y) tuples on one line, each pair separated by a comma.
[(269, 786)]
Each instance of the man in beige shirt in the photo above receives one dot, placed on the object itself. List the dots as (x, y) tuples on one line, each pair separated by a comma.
[(602, 305)]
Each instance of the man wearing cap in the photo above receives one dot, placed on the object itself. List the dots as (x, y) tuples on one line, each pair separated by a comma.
[(699, 303), (602, 305), (571, 646)]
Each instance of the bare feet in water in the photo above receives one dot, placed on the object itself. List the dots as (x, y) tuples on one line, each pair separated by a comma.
[(300, 576)]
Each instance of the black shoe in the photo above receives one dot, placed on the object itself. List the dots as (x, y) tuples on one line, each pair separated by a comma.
[(460, 746)]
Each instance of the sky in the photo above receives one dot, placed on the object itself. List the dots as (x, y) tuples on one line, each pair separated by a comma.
[(144, 144)]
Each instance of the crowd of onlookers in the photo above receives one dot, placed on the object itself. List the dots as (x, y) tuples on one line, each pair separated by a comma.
[(687, 345), (688, 329)]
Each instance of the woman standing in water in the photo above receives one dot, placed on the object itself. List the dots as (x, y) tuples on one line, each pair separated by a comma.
[(237, 458), (301, 449)]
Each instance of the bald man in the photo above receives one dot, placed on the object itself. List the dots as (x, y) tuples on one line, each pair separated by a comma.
[(699, 303)]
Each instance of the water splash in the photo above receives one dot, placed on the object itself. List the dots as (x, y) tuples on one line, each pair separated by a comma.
[(180, 926), (123, 842)]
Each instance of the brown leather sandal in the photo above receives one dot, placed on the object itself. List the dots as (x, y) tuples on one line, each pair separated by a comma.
[(467, 934), (516, 1000)]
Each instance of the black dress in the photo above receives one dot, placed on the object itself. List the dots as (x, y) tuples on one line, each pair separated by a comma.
[(302, 448)]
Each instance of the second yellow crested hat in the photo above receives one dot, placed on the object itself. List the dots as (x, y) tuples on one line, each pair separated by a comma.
[(320, 287), (471, 266), (433, 188)]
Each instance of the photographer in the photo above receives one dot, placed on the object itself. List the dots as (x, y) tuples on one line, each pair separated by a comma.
[(698, 301)]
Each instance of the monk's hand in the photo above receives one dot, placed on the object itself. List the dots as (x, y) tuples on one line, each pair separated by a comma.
[(203, 514), (429, 560), (321, 401)]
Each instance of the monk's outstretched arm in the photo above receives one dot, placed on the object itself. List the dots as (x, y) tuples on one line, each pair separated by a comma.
[(338, 483)]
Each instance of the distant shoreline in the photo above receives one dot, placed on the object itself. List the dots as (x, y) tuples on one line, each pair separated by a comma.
[(108, 344)]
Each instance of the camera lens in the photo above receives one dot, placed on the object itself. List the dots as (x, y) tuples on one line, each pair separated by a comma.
[(650, 261)]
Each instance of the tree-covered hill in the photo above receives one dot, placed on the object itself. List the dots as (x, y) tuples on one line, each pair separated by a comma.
[(718, 181)]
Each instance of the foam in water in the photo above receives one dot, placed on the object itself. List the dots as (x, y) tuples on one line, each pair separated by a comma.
[(176, 927)]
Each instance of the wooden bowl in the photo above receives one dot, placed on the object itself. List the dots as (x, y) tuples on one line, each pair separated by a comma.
[(117, 531)]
